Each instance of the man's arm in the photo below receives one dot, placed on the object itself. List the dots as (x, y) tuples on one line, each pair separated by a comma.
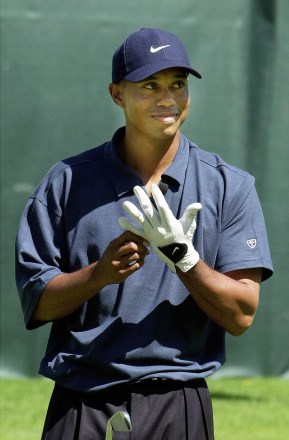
[(65, 293), (230, 300)]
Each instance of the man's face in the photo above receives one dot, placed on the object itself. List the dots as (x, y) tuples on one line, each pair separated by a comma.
[(156, 107)]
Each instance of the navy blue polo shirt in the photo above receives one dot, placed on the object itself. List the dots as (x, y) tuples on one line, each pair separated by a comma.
[(149, 325)]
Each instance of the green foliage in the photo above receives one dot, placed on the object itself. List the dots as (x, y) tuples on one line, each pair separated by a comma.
[(244, 409)]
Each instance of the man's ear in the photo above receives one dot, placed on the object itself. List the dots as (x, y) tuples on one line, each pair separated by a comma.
[(115, 91)]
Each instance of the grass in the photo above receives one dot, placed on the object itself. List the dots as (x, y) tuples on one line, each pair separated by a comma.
[(23, 404), (244, 409), (251, 409)]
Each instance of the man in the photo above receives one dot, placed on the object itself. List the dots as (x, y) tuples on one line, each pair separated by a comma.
[(139, 316)]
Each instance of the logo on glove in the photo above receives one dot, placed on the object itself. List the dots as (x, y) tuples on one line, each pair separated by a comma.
[(175, 252)]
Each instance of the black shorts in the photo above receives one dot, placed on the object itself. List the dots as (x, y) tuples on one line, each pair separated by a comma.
[(159, 410)]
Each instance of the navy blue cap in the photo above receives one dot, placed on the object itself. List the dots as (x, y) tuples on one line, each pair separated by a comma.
[(146, 52)]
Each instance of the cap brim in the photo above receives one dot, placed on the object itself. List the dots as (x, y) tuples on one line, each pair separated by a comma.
[(148, 70)]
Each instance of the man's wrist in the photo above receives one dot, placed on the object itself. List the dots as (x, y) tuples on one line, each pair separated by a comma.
[(189, 261)]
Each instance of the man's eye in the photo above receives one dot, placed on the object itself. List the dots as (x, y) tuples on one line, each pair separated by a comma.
[(150, 86), (178, 84)]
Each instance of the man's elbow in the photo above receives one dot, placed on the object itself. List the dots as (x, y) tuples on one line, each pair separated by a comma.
[(241, 325)]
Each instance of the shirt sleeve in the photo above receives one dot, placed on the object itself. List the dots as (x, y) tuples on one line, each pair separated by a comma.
[(41, 250), (243, 243)]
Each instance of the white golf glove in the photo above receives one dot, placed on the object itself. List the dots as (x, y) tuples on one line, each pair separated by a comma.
[(170, 238)]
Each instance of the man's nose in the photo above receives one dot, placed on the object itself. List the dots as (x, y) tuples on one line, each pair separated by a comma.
[(166, 98)]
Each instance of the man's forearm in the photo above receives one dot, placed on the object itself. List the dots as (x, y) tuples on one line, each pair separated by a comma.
[(66, 293), (230, 300)]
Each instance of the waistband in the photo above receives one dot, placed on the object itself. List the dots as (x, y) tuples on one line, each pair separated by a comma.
[(145, 386), (155, 384)]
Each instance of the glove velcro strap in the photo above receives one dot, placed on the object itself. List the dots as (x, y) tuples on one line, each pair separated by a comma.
[(174, 251)]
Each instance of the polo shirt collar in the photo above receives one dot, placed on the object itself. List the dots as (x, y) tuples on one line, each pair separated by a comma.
[(125, 178), (177, 169)]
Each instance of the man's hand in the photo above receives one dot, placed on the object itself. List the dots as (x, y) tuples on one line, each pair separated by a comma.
[(170, 238), (123, 256), (66, 292)]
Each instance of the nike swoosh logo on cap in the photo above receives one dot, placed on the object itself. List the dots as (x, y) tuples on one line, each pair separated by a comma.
[(156, 49)]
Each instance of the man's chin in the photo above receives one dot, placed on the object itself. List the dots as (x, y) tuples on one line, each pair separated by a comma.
[(171, 131)]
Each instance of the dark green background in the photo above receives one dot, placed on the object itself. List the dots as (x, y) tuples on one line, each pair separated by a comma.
[(55, 69)]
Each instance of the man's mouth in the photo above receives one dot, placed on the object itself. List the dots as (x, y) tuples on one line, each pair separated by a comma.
[(165, 117)]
